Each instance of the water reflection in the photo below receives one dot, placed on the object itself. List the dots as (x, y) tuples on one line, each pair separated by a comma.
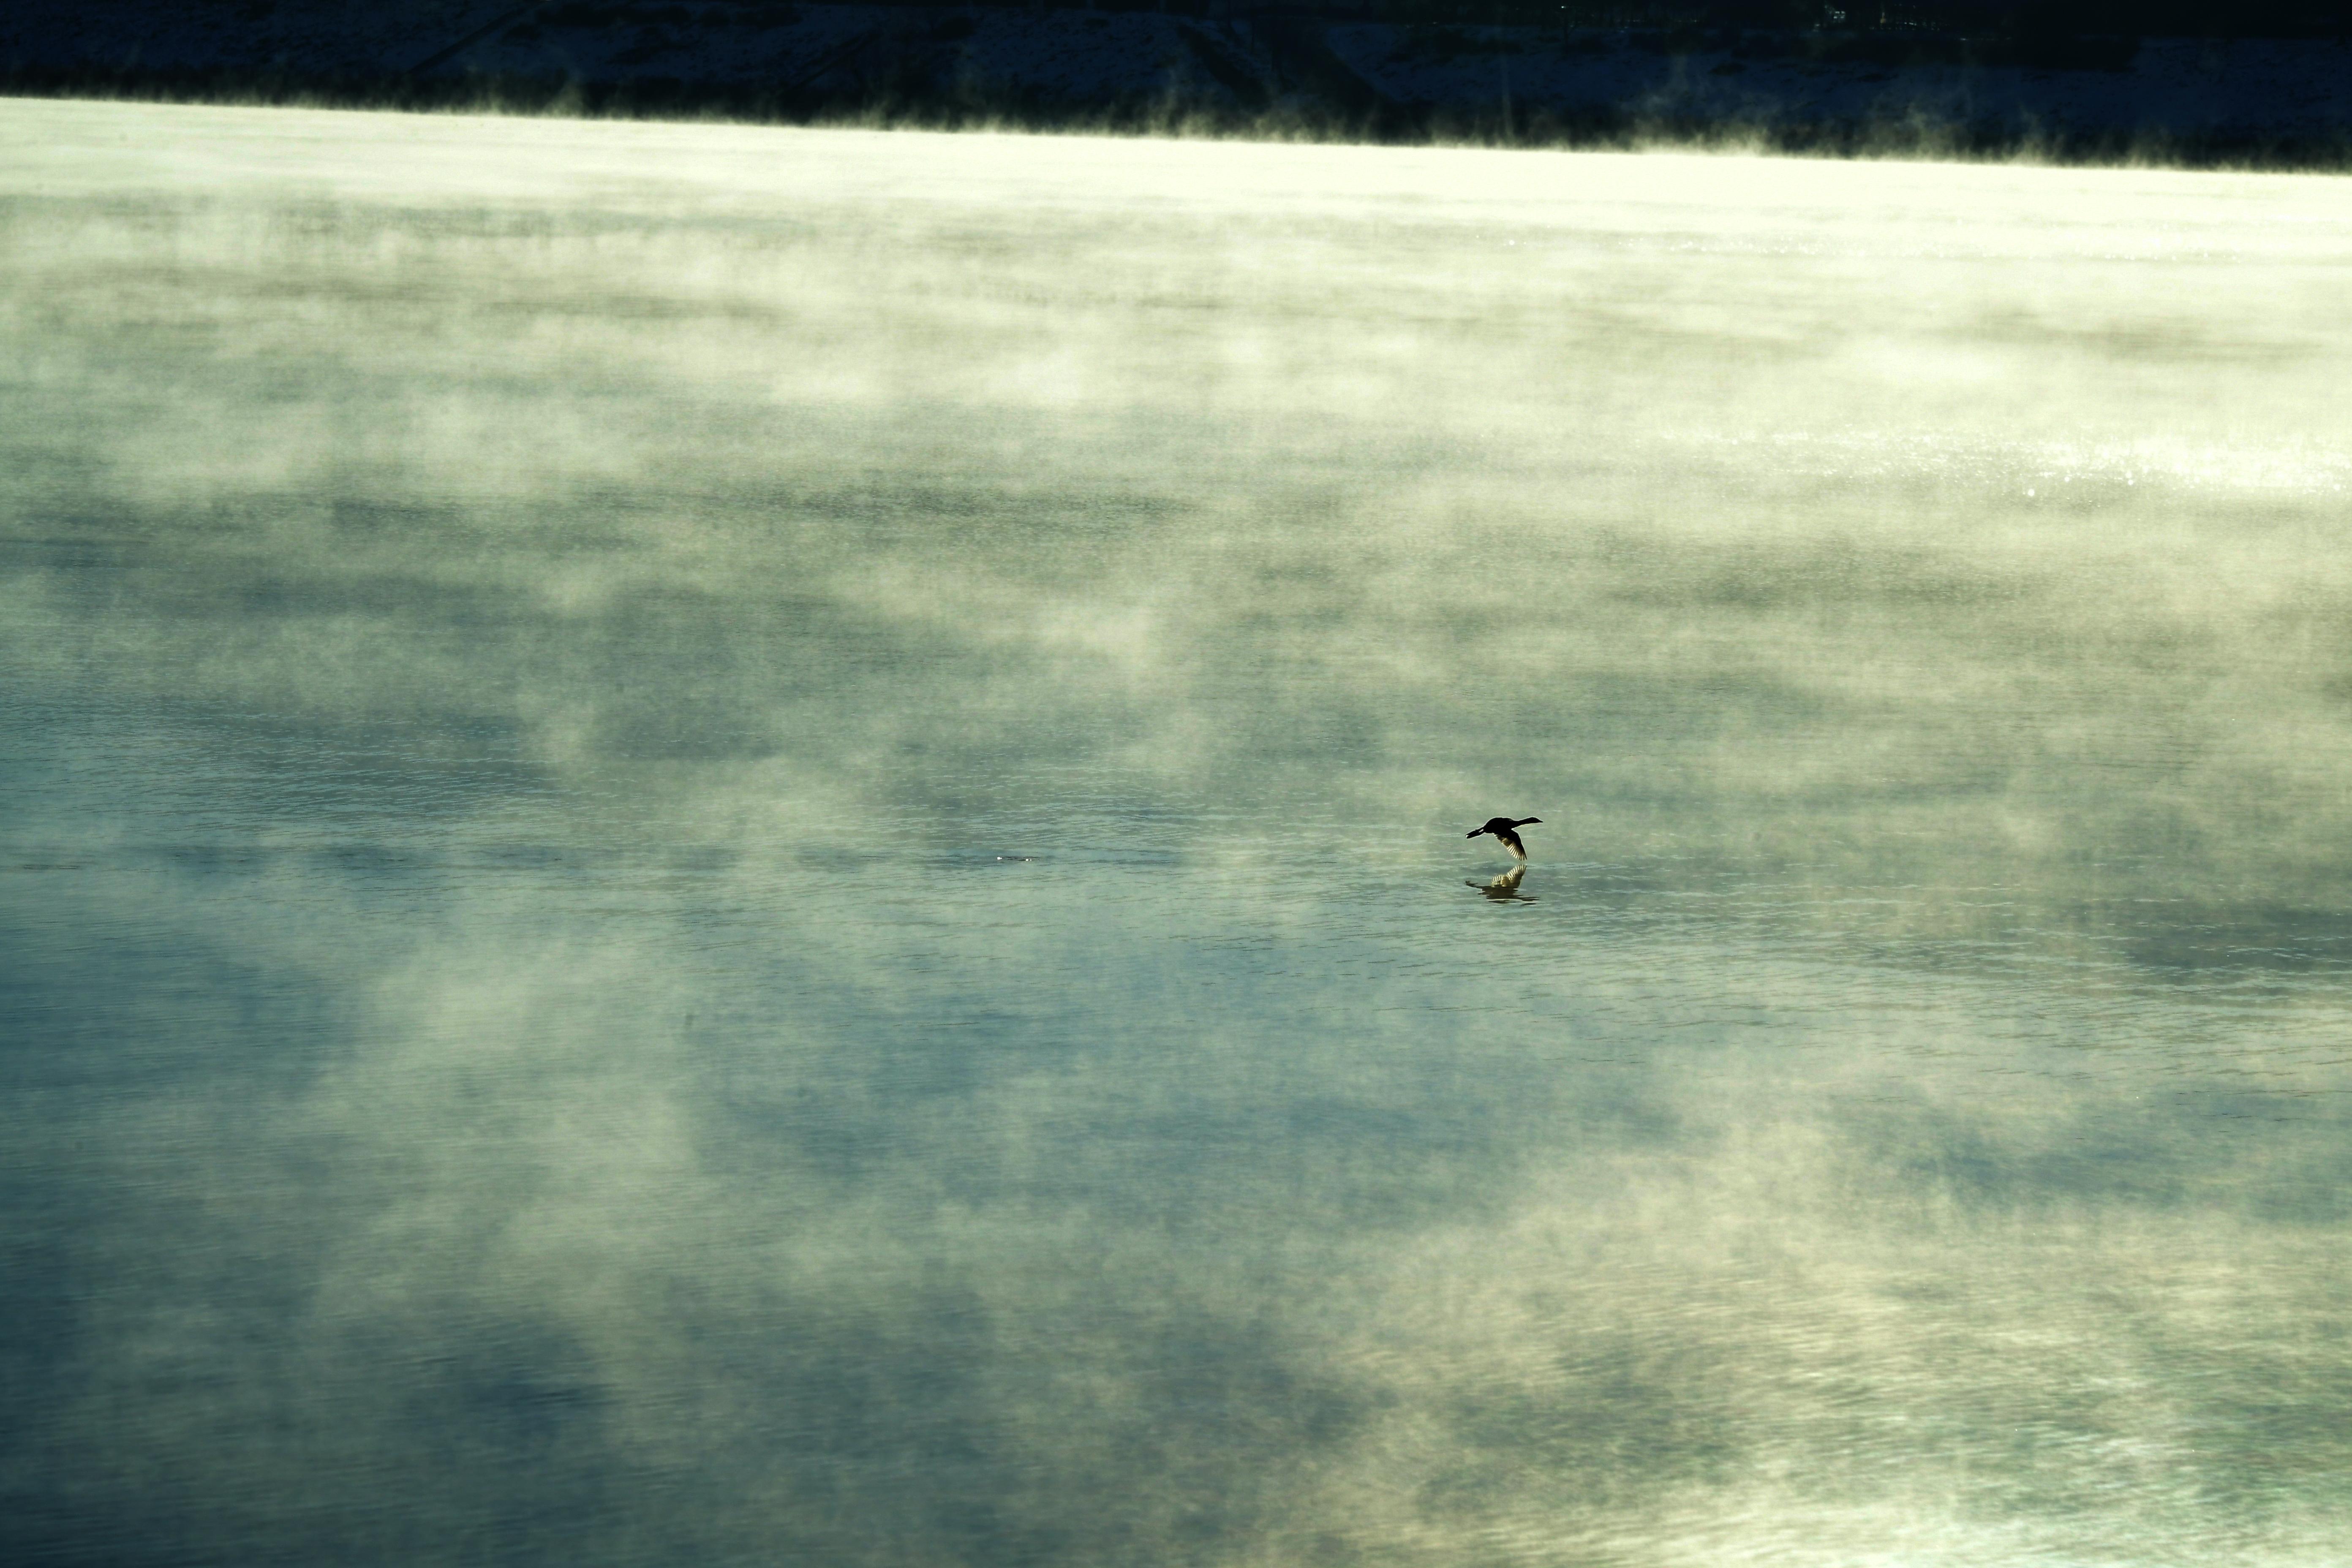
[(477, 1091), (1504, 889)]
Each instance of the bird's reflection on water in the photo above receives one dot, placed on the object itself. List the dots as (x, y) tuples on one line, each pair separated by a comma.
[(1504, 889)]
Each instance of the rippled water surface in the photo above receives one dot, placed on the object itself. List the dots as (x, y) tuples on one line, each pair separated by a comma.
[(732, 846)]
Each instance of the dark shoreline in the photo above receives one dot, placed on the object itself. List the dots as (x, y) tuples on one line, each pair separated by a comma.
[(1266, 76), (1591, 130)]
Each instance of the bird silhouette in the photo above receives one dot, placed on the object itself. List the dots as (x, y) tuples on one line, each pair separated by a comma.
[(1504, 828)]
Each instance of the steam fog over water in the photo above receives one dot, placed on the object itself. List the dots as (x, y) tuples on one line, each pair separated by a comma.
[(738, 846)]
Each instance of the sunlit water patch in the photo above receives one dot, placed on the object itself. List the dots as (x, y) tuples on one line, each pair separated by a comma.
[(746, 846)]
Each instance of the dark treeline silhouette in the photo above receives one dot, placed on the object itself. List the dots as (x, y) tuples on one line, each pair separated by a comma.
[(1978, 20), (2071, 80)]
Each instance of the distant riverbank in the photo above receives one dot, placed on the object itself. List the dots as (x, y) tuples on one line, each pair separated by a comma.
[(2267, 102)]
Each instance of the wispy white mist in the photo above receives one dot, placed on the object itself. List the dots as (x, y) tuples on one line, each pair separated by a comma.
[(747, 845)]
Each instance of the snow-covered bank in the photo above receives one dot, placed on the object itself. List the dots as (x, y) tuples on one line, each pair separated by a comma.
[(2290, 101)]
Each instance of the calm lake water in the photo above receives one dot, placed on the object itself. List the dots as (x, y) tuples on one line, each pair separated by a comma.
[(734, 846)]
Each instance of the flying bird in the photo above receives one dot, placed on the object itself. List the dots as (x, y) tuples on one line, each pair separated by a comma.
[(1503, 829)]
